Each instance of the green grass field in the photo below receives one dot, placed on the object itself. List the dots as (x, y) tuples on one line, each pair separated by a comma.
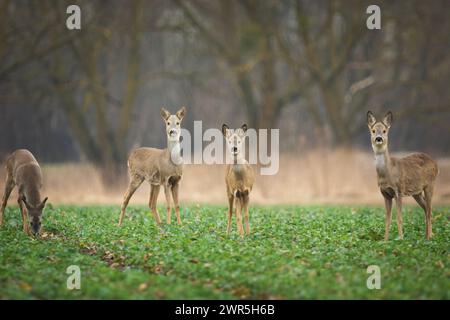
[(293, 253)]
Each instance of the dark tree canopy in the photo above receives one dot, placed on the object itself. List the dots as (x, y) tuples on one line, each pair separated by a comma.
[(311, 68)]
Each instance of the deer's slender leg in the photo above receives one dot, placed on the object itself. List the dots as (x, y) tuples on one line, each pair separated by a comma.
[(152, 202), (421, 201), (23, 211), (238, 216), (168, 201), (175, 189), (398, 202), (230, 210), (388, 217), (135, 182), (245, 201), (9, 186), (428, 191)]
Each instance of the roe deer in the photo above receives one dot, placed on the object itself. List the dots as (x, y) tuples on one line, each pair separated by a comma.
[(239, 178), (413, 175), (158, 167), (23, 171)]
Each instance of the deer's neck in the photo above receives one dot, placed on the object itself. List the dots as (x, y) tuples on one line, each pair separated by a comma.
[(32, 195), (383, 163), (29, 182), (174, 150), (239, 167), (239, 159)]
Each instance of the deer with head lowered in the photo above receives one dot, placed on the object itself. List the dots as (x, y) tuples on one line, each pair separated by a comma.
[(23, 171), (413, 175), (239, 178), (158, 167)]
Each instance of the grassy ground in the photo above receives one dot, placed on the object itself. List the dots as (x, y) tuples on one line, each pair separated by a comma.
[(293, 253)]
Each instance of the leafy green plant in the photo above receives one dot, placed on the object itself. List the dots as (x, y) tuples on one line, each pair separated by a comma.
[(293, 253)]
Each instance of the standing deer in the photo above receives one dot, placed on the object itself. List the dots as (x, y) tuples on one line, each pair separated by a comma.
[(239, 178), (158, 167), (413, 175), (23, 171)]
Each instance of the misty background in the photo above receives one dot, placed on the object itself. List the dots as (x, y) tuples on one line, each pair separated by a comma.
[(80, 100)]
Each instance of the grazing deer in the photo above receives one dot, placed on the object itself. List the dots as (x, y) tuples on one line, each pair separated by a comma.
[(23, 171), (158, 167), (413, 175), (239, 178)]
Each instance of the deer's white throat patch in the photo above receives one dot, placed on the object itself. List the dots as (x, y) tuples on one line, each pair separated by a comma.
[(175, 153), (380, 162)]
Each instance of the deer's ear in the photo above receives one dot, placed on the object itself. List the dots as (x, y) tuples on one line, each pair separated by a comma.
[(244, 127), (42, 205), (387, 120), (165, 114), (225, 130), (370, 119), (181, 113)]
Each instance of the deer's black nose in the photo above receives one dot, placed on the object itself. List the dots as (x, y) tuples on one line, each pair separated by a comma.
[(234, 149), (172, 131), (378, 139), (35, 228)]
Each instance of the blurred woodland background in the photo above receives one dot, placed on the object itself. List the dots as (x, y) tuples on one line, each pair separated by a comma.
[(80, 100)]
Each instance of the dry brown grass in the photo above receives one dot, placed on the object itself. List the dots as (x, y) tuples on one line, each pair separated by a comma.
[(317, 177)]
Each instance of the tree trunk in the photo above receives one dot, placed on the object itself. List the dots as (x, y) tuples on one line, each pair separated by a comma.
[(113, 175)]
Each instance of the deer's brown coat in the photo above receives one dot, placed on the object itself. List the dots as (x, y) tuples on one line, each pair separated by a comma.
[(23, 171), (413, 175), (239, 180), (156, 166)]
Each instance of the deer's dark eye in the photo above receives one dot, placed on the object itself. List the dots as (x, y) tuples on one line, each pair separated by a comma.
[(384, 131), (178, 123), (373, 131), (168, 123)]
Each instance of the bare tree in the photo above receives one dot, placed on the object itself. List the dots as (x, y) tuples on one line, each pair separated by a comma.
[(238, 35), (96, 100)]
